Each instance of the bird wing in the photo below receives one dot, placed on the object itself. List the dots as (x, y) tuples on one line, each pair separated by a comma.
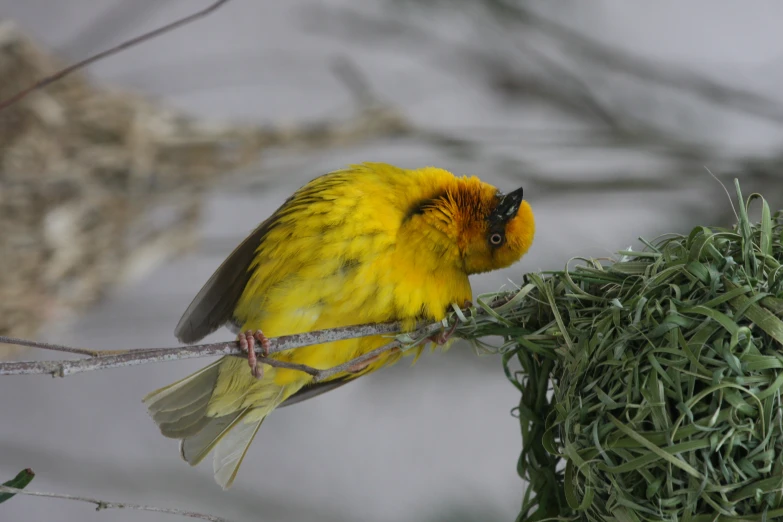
[(214, 305)]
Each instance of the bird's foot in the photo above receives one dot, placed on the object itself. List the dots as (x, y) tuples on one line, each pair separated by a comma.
[(443, 336), (247, 343)]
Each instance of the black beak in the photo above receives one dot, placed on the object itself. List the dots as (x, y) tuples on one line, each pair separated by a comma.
[(508, 207)]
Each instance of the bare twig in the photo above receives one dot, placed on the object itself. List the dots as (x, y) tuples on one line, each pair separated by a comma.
[(114, 19), (103, 504), (100, 360), (334, 370), (48, 346), (43, 82)]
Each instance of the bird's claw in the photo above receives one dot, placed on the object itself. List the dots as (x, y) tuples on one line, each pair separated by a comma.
[(443, 336), (247, 343)]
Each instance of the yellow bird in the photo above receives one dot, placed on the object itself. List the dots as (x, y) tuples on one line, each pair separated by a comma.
[(370, 243)]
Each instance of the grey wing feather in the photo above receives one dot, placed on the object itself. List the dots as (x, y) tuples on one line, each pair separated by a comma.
[(215, 303)]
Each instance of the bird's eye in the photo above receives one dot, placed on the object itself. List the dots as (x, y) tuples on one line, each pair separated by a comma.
[(496, 239)]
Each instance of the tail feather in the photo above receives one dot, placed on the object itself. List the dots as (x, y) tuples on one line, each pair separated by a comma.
[(232, 446), (185, 426), (197, 446), (183, 397), (231, 450), (172, 415), (217, 408)]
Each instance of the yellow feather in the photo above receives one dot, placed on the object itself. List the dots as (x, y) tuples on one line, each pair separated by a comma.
[(371, 243)]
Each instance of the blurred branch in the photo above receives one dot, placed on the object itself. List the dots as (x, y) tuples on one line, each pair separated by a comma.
[(110, 22), (104, 359), (643, 68), (354, 80), (522, 20), (103, 504), (43, 82), (528, 74), (546, 81)]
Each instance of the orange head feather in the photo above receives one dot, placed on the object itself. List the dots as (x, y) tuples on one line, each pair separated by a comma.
[(490, 230)]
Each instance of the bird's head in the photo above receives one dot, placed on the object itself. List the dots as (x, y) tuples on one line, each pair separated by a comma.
[(488, 229), (495, 230)]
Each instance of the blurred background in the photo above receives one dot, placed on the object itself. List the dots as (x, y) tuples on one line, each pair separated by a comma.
[(122, 189)]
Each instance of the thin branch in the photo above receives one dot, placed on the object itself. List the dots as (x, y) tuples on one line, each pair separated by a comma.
[(103, 504), (100, 360), (48, 346), (277, 344), (47, 80), (334, 370), (103, 29)]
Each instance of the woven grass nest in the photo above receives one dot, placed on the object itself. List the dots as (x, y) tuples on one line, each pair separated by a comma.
[(651, 384)]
